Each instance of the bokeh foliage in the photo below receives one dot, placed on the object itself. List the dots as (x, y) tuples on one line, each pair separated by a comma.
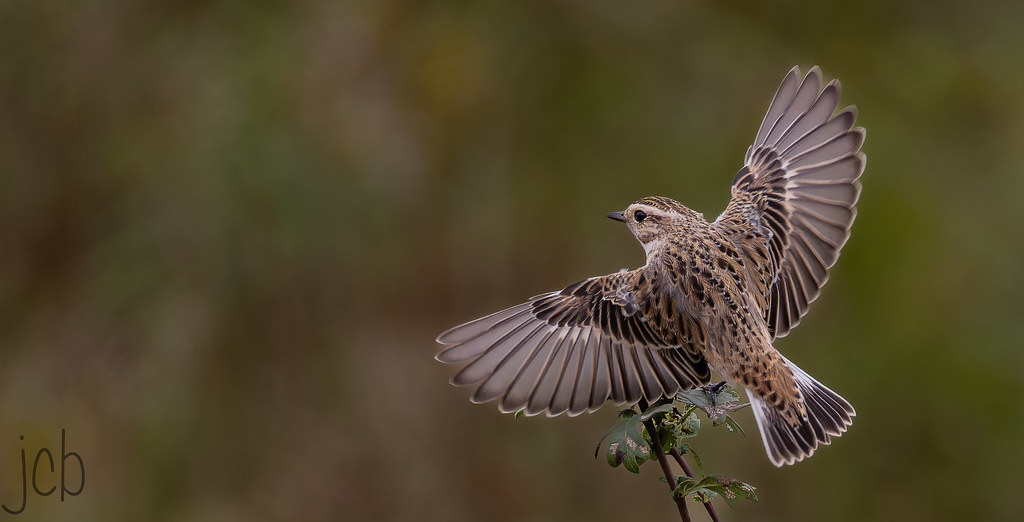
[(229, 232)]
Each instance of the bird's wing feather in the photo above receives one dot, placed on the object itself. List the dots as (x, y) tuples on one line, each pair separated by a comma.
[(799, 185), (570, 351)]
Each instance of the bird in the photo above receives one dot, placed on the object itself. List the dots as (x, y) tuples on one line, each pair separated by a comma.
[(712, 296)]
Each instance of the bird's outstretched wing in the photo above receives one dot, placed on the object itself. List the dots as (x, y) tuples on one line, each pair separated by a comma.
[(610, 337), (799, 185)]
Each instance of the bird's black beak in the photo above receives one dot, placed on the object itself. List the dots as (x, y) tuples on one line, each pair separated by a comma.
[(617, 216)]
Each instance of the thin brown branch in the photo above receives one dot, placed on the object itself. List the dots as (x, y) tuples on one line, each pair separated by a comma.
[(689, 473), (666, 468)]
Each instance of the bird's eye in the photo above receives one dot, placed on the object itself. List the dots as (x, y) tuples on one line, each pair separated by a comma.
[(639, 216)]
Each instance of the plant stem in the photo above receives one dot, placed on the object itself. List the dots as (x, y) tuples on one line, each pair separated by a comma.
[(686, 469), (652, 431)]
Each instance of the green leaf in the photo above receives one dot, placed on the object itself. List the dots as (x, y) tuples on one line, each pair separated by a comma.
[(731, 425), (685, 484), (626, 443), (656, 409), (733, 491), (698, 397), (686, 448), (728, 394)]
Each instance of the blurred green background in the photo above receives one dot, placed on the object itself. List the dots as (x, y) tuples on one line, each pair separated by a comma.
[(230, 231)]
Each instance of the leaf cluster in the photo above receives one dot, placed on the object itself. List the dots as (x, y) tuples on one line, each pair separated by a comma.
[(628, 442)]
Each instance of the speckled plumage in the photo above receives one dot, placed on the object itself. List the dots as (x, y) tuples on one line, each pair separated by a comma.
[(712, 295)]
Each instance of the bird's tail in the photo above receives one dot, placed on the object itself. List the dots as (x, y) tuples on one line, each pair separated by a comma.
[(826, 415)]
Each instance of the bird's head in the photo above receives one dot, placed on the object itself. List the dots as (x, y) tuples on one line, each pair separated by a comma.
[(653, 218)]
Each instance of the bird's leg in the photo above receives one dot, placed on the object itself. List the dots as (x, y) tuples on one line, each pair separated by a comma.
[(715, 388)]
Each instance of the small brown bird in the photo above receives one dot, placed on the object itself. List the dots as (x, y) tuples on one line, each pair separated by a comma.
[(711, 295)]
